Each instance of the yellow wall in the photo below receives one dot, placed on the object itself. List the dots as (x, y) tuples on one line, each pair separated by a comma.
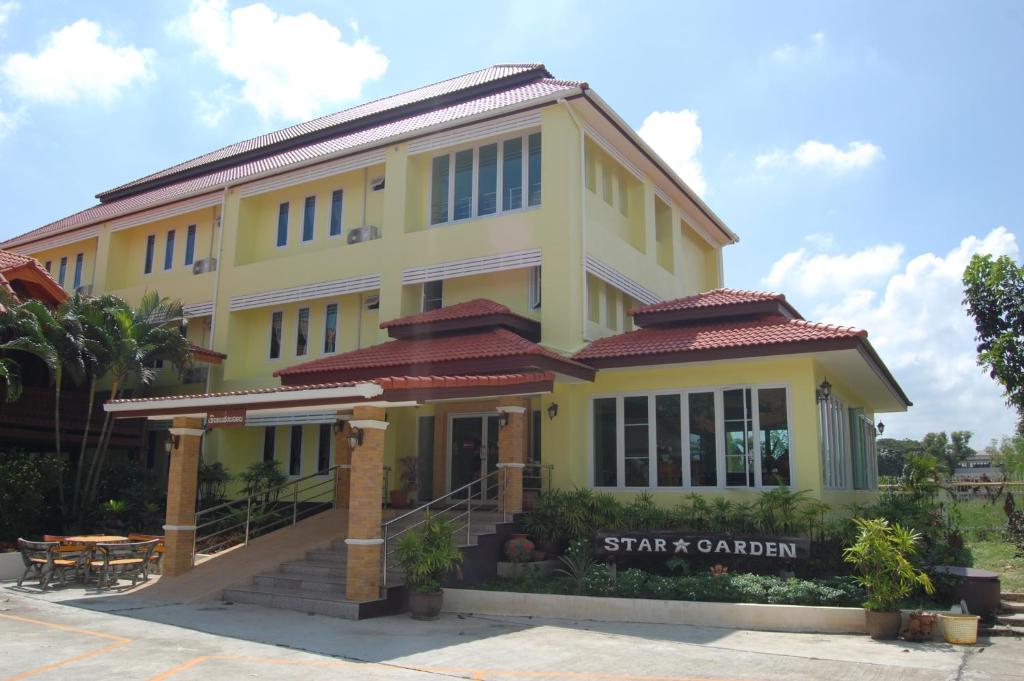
[(86, 247)]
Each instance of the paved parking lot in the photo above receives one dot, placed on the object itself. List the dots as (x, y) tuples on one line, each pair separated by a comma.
[(116, 637)]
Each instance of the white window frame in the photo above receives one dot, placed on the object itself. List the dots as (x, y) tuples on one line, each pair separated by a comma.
[(194, 229), (500, 141), (298, 325), (76, 279), (270, 334), (341, 215), (312, 231), (287, 224), (337, 328), (684, 430), (836, 462), (536, 280), (145, 255), (423, 294), (170, 246)]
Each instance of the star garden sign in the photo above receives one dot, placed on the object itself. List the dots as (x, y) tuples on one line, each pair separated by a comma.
[(611, 544)]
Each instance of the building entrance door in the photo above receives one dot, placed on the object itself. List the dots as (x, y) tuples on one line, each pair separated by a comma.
[(472, 448)]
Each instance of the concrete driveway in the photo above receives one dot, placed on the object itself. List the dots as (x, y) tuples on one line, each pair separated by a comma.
[(116, 637)]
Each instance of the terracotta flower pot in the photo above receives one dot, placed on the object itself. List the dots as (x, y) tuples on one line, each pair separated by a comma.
[(883, 626), (425, 606), (519, 549)]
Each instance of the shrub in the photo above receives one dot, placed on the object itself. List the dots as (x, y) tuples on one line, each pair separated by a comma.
[(880, 555), (428, 553), (28, 494)]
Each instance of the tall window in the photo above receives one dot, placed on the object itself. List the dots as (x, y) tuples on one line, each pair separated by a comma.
[(323, 450), (336, 205), (62, 273), (741, 434), (535, 282), (302, 333), (269, 443), (276, 322), (49, 266), (295, 451), (485, 180), (79, 262), (331, 328), (433, 295), (150, 253), (308, 214), (190, 245), (282, 224), (832, 425), (169, 250), (863, 451)]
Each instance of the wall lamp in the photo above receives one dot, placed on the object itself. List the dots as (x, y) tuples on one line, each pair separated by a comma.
[(502, 419), (173, 442), (355, 437), (880, 428), (824, 391), (552, 411)]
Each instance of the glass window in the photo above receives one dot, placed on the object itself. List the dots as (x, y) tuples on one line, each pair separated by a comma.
[(302, 333), (295, 451), (337, 198), (605, 443), (636, 438), (487, 180), (463, 201), (62, 273), (833, 442), (150, 253), (190, 245), (439, 190), (269, 443), (703, 452), (308, 214), (323, 451), (331, 328), (773, 437), (533, 169), (79, 262), (739, 445), (863, 451), (282, 224), (276, 321), (669, 440), (512, 174), (433, 295), (169, 250), (535, 288)]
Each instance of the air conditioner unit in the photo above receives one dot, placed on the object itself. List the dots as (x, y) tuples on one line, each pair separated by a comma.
[(372, 302), (377, 183), (364, 233), (205, 265), (84, 290)]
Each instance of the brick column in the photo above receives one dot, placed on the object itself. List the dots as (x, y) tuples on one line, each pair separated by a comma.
[(366, 495), (182, 479), (342, 457), (512, 454)]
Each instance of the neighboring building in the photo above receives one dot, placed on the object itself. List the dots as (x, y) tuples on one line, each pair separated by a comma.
[(499, 247)]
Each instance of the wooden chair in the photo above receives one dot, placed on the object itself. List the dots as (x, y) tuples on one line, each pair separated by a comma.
[(110, 561), (46, 560), (156, 562)]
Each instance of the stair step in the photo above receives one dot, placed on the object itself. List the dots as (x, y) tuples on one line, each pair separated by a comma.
[(1013, 596), (1012, 606), (327, 556), (1014, 620), (280, 581), (1001, 630), (321, 569), (334, 605)]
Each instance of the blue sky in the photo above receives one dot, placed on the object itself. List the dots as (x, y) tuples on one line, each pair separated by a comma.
[(863, 151)]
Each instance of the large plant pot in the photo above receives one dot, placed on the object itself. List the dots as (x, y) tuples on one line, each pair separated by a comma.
[(425, 606), (883, 626), (519, 549)]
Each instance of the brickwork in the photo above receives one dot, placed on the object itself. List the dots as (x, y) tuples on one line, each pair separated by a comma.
[(342, 457), (182, 479), (366, 496), (512, 444)]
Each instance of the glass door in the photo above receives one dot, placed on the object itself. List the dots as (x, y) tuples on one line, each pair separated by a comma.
[(473, 448), (739, 438)]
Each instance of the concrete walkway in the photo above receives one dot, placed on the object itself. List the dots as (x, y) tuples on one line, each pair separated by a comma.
[(88, 638)]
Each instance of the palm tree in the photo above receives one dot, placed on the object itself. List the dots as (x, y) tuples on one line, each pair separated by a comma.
[(141, 337)]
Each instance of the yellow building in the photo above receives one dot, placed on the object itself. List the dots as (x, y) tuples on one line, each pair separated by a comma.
[(504, 227)]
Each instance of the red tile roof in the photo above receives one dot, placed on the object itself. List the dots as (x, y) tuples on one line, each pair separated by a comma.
[(235, 393), (433, 353), (718, 297), (9, 260), (300, 155), (40, 283), (478, 307), (699, 338)]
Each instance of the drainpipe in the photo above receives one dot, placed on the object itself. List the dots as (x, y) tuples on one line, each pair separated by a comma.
[(583, 217), (219, 224)]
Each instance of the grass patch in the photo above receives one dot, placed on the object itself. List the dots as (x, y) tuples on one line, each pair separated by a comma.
[(998, 556)]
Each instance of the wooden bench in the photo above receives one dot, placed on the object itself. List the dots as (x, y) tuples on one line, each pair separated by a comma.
[(49, 559), (110, 561)]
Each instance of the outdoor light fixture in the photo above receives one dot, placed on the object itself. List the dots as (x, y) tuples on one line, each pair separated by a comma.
[(355, 437), (552, 411), (824, 391), (502, 419), (173, 442), (880, 428)]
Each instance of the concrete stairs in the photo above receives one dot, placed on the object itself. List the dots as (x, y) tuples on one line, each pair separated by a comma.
[(1010, 620), (316, 583)]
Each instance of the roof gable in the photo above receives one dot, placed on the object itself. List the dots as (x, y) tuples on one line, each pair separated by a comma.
[(478, 313), (719, 303)]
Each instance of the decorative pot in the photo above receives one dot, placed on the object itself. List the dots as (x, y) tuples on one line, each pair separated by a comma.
[(883, 626), (425, 606), (519, 549)]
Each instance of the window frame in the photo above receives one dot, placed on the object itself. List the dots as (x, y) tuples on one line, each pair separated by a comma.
[(833, 432), (62, 271), (308, 219), (423, 295), (269, 437), (287, 226), (190, 245), (295, 428), (322, 429), (337, 325), (684, 430), (298, 329), (149, 255), (170, 243), (536, 300), (270, 336), (76, 280), (339, 195), (499, 140)]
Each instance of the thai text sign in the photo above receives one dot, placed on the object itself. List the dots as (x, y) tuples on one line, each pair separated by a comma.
[(613, 544), (225, 418)]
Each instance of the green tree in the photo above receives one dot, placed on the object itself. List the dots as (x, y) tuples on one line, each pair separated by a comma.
[(893, 455), (994, 296), (1008, 455)]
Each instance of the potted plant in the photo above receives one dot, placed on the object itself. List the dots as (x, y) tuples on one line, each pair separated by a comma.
[(880, 557), (427, 554)]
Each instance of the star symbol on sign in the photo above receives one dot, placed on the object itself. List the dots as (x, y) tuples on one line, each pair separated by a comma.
[(681, 545)]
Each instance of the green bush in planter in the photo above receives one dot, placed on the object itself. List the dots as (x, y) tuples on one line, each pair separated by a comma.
[(427, 554), (880, 556)]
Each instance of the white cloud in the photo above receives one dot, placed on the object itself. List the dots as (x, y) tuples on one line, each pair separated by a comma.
[(75, 64), (822, 242), (815, 154), (676, 136), (6, 10), (917, 323), (290, 67), (788, 54)]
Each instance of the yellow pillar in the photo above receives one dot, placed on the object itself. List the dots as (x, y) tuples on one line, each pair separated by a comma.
[(366, 496), (512, 453), (182, 478), (342, 458)]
